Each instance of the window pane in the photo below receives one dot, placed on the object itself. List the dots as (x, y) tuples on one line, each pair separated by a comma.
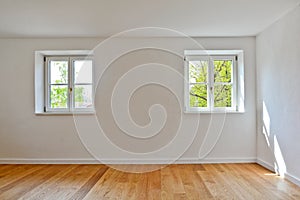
[(222, 95), (58, 72), (198, 95), (198, 71), (83, 96), (58, 96), (222, 71), (83, 71)]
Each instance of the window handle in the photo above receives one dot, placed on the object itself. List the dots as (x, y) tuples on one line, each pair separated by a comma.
[(70, 89)]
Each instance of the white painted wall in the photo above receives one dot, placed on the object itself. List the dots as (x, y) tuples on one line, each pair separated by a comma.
[(278, 53), (25, 135)]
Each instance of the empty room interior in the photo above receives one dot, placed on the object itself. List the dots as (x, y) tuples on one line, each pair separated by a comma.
[(141, 99)]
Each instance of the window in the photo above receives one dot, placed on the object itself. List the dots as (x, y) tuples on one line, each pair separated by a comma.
[(64, 82), (68, 84), (214, 81)]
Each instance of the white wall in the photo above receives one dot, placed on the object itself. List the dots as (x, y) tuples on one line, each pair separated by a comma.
[(278, 53), (25, 135)]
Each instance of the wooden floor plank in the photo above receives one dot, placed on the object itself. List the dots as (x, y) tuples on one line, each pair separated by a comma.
[(283, 188), (216, 185), (17, 172), (194, 181), (246, 186), (81, 193), (154, 185), (104, 187), (29, 182), (39, 191), (253, 184), (68, 185)]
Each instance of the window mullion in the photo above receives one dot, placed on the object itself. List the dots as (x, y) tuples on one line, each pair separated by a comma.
[(211, 84), (234, 85), (47, 86), (70, 86)]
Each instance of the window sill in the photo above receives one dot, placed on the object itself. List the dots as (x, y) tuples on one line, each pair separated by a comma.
[(213, 112), (68, 113)]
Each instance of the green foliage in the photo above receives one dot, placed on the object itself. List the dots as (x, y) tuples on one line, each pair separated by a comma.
[(222, 94), (79, 94), (198, 72), (222, 74), (198, 95), (222, 71), (198, 92), (59, 93), (59, 96)]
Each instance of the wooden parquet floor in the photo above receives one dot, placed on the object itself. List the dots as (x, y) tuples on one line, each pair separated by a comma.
[(187, 181)]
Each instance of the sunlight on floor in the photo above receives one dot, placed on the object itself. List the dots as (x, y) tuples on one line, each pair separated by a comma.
[(273, 174)]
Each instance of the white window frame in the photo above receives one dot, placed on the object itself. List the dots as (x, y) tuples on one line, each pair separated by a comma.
[(72, 59), (237, 80), (48, 84), (42, 95)]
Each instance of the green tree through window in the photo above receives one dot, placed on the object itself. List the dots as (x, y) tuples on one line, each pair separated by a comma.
[(58, 93), (70, 83), (221, 86)]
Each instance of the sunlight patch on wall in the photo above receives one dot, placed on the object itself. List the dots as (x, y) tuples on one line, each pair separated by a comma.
[(280, 166), (266, 123)]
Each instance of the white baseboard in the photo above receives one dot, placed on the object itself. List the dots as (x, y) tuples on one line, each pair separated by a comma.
[(123, 161), (218, 160), (287, 175), (47, 161), (292, 178), (265, 164)]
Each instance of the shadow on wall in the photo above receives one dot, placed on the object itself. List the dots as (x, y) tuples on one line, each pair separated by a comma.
[(272, 142)]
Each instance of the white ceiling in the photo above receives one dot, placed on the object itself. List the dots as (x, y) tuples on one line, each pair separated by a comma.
[(89, 18)]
